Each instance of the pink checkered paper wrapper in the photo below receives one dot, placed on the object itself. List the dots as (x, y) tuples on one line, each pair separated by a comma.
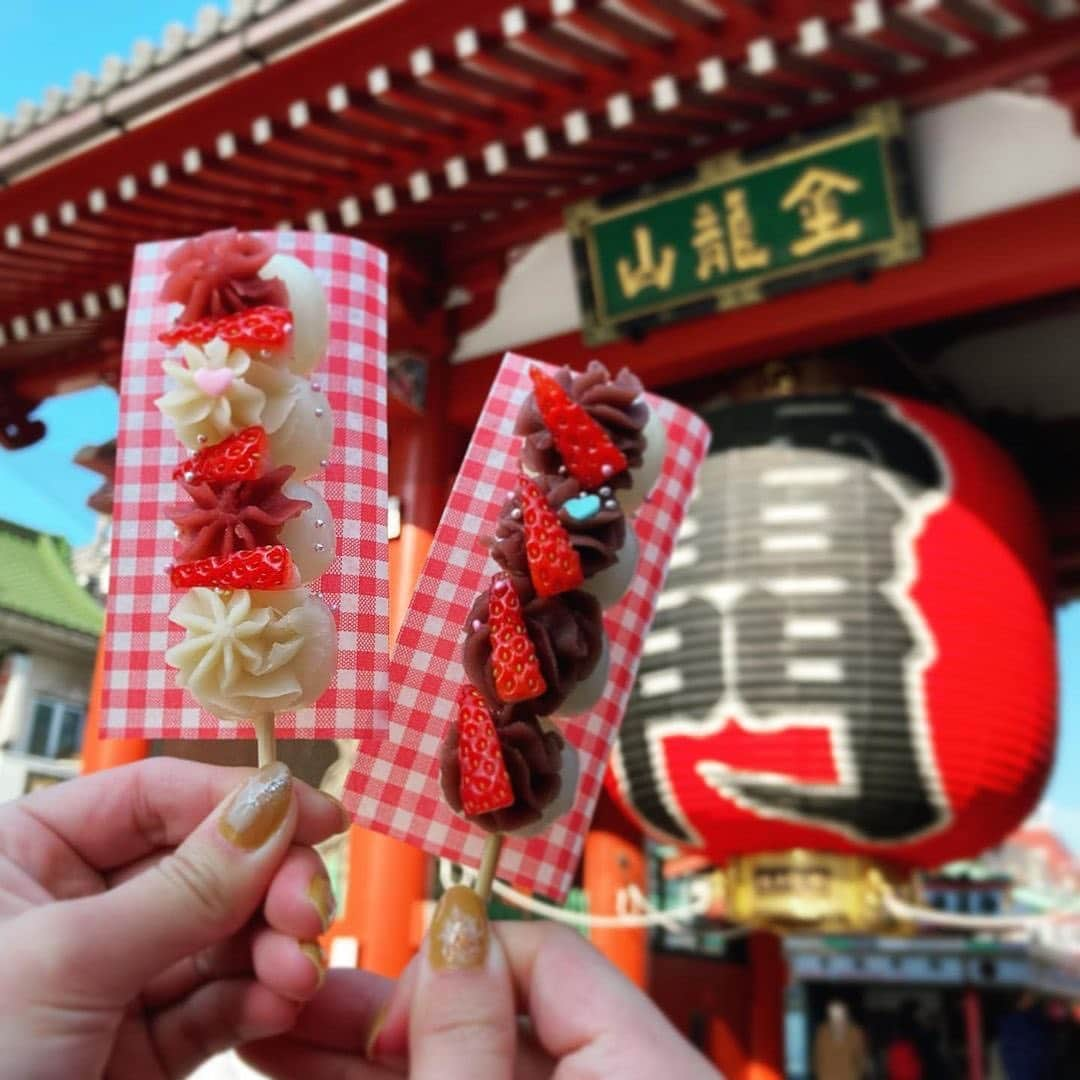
[(394, 785), (140, 696)]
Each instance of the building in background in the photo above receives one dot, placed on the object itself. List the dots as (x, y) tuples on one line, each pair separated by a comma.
[(49, 629)]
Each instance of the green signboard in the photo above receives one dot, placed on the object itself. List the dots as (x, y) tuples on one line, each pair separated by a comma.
[(743, 228)]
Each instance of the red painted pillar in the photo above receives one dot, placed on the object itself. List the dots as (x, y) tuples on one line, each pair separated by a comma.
[(768, 975), (613, 861), (388, 878), (726, 1050), (610, 865), (974, 1035), (99, 753)]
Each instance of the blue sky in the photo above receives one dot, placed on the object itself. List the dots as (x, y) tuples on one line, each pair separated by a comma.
[(43, 489), (48, 41), (1063, 796)]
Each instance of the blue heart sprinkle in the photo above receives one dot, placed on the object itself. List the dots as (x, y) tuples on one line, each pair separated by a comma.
[(582, 507)]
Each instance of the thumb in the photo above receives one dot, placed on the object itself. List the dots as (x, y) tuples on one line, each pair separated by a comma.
[(462, 1023), (194, 897)]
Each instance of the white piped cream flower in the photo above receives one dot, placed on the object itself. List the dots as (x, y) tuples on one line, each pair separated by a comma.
[(210, 394), (249, 653)]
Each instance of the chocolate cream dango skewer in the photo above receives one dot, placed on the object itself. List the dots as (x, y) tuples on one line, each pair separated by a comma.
[(532, 646), (535, 642), (250, 325), (532, 640), (592, 451)]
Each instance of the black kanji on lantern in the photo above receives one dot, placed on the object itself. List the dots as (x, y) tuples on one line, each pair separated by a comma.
[(788, 605)]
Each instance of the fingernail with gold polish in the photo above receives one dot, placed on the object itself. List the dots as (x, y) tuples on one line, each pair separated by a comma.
[(459, 931), (321, 896), (258, 808), (373, 1031), (313, 951)]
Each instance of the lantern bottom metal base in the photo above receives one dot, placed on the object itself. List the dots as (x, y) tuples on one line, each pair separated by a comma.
[(803, 890)]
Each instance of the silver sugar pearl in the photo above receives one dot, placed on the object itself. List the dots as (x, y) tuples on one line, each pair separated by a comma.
[(562, 470), (316, 386), (605, 492), (324, 463), (189, 477), (607, 470), (200, 438), (319, 523), (477, 625), (516, 513), (319, 412), (320, 547), (611, 504)]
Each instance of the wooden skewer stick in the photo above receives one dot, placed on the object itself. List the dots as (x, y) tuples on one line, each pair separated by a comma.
[(264, 732), (488, 862)]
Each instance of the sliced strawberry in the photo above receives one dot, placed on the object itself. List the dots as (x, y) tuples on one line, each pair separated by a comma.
[(256, 568), (256, 328), (239, 457), (586, 448), (554, 565), (485, 783), (514, 665)]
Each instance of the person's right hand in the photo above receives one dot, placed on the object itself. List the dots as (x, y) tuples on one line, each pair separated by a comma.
[(454, 1014)]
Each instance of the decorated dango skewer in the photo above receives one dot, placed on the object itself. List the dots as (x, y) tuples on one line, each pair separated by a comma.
[(250, 324), (535, 645)]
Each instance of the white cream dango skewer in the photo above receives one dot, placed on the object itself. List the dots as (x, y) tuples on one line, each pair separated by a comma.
[(237, 391)]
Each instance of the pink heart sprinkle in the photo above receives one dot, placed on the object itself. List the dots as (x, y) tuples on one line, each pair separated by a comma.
[(213, 381)]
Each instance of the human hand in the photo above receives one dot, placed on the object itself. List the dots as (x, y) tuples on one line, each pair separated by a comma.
[(146, 924), (452, 1015)]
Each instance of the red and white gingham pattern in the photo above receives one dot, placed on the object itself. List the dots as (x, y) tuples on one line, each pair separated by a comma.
[(394, 785), (140, 695)]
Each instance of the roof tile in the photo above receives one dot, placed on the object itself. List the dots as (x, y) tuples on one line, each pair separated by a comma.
[(36, 580)]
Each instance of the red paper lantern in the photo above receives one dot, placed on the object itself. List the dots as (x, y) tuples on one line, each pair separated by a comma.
[(854, 651)]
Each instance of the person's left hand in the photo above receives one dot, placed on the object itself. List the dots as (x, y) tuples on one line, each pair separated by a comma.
[(144, 927)]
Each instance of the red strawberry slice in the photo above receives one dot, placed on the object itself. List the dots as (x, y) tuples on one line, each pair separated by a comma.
[(513, 658), (586, 448), (485, 783), (256, 568), (554, 565), (239, 457), (256, 328)]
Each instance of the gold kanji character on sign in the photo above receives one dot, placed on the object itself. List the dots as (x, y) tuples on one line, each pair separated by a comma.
[(648, 273), (708, 240), (744, 249), (815, 195)]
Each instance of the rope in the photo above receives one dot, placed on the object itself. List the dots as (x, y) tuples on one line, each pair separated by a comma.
[(634, 911), (900, 909), (625, 918)]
